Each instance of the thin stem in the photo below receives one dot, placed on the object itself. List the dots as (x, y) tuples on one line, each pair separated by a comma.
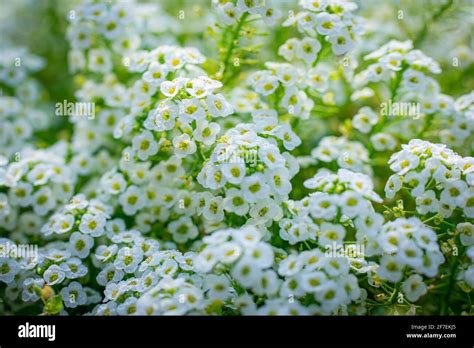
[(422, 34), (232, 44)]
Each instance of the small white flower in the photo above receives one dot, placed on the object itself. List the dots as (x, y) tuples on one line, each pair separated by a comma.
[(206, 132), (413, 287), (183, 145), (53, 275), (132, 200), (183, 229), (331, 233), (80, 244), (341, 42), (217, 105), (234, 202), (73, 295), (93, 224), (99, 61), (308, 49), (145, 145), (254, 187), (191, 109)]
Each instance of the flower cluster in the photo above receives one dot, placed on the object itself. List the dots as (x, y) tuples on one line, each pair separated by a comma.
[(351, 155), (440, 180), (37, 179), (21, 112), (404, 244), (236, 157), (282, 82), (342, 200), (252, 173), (230, 12), (324, 22)]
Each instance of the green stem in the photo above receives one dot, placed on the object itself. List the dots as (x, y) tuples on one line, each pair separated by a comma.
[(422, 35), (452, 279), (232, 44)]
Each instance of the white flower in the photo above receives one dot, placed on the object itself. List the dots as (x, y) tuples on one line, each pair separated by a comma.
[(93, 224), (9, 268), (279, 181), (318, 79), (128, 259), (80, 244), (246, 273), (264, 210), (271, 156), (73, 295), (327, 23), (218, 286), (390, 269), (233, 172), (413, 287), (145, 145), (416, 181), (365, 119), (247, 236), (53, 275), (308, 49), (183, 145), (132, 200), (353, 204), (266, 84), (206, 259), (162, 118), (468, 202), (206, 132), (115, 183), (341, 42), (126, 44), (234, 202), (270, 14), (403, 161), (214, 177), (466, 233), (414, 80), (214, 209), (383, 141), (156, 73), (63, 223), (217, 105), (43, 201), (254, 187), (99, 61), (315, 6), (21, 194), (191, 109), (331, 296), (170, 88), (288, 49), (183, 229), (229, 13), (331, 233), (427, 203), (313, 281), (40, 174), (267, 284), (454, 193)]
